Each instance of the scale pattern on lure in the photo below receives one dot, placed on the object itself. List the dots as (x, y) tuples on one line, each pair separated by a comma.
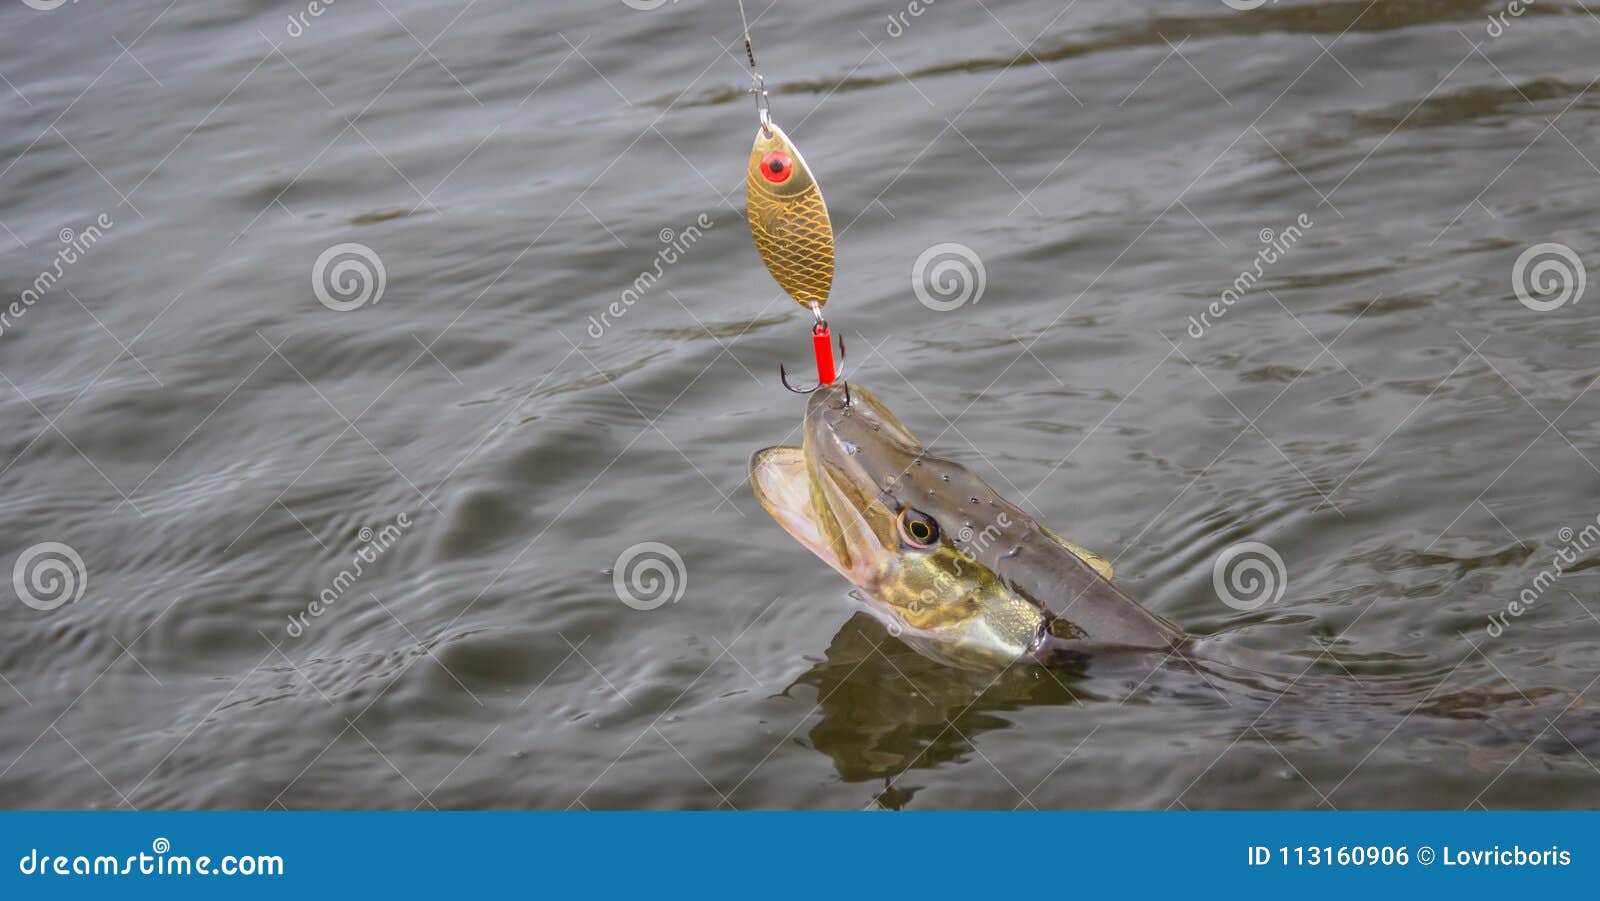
[(790, 225), (788, 218)]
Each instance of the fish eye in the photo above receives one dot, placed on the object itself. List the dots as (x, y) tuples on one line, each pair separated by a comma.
[(777, 166), (918, 528)]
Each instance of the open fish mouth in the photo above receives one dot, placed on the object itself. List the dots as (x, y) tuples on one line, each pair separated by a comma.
[(778, 477)]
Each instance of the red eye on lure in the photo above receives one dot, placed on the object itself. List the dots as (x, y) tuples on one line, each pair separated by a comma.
[(777, 167)]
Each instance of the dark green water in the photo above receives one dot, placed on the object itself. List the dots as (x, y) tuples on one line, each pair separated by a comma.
[(212, 440)]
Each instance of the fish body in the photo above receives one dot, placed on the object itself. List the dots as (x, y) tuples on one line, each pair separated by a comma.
[(971, 581)]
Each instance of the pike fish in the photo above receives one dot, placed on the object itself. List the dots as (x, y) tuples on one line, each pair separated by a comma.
[(972, 581), (955, 570)]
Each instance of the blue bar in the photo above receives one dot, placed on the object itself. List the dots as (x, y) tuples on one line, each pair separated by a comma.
[(762, 855)]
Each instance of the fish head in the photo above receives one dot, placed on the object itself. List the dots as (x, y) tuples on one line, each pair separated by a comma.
[(952, 568), (907, 529)]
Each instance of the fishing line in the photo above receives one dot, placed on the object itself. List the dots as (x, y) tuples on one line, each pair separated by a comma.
[(749, 48)]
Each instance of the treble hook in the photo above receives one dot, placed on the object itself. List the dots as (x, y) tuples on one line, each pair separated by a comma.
[(825, 363)]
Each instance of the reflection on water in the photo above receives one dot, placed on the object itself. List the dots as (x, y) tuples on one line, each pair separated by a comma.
[(885, 711)]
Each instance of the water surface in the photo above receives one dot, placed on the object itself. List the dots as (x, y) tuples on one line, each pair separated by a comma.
[(221, 448)]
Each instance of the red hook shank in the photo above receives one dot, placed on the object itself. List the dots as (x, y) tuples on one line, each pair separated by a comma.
[(822, 343)]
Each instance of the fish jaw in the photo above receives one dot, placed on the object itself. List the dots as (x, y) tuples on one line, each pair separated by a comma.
[(782, 486)]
